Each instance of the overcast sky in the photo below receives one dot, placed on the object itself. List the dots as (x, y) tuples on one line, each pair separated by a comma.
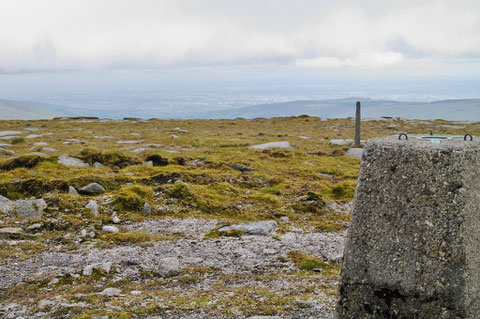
[(428, 37)]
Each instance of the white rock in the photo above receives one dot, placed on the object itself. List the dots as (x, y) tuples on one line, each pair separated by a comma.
[(110, 292), (83, 233), (135, 292), (110, 229), (138, 150), (180, 130), (174, 136), (5, 133), (147, 209), (341, 142), (355, 152), (128, 142), (115, 220), (49, 149), (33, 136), (272, 144), (5, 231), (265, 227), (168, 267), (40, 144), (93, 207), (71, 161), (72, 190), (98, 165)]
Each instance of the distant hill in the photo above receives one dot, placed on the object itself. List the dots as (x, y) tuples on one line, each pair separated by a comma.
[(458, 110), (15, 110)]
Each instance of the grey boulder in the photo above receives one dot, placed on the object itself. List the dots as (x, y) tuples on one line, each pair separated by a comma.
[(92, 189), (71, 161), (168, 267), (265, 227)]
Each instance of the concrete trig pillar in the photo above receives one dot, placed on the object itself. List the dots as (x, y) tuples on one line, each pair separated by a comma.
[(413, 246), (357, 124)]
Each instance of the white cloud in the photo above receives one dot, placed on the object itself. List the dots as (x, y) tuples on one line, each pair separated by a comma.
[(77, 34)]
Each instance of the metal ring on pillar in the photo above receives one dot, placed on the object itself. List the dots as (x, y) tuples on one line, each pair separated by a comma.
[(403, 134), (466, 135)]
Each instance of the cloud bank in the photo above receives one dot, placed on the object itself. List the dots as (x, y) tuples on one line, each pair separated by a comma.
[(58, 35)]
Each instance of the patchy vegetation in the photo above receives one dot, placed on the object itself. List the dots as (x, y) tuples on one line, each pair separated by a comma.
[(173, 207)]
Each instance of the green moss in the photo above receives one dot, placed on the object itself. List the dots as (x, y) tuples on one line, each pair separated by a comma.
[(229, 233), (132, 198), (17, 140), (342, 191), (305, 262), (25, 161), (107, 158)]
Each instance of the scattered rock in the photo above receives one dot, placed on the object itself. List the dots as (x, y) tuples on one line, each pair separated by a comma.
[(33, 136), (138, 150), (105, 267), (149, 163), (92, 189), (93, 205), (115, 220), (44, 303), (40, 144), (71, 161), (253, 228), (341, 142), (271, 144), (168, 267), (179, 130), (355, 152), (5, 133), (9, 138), (5, 231), (182, 182), (304, 137), (110, 292), (325, 175), (98, 165), (72, 190), (239, 168), (110, 229), (35, 226), (174, 136), (49, 150), (128, 142), (147, 209), (27, 208)]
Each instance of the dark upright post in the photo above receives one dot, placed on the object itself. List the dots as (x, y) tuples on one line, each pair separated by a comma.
[(357, 124)]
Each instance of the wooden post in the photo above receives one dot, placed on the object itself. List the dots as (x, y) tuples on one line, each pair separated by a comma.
[(357, 125)]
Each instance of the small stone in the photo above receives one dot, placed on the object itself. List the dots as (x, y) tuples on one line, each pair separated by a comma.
[(115, 220), (71, 161), (182, 182), (83, 233), (269, 251), (174, 136), (40, 144), (88, 270), (135, 292), (92, 189), (49, 150), (110, 292), (72, 190), (27, 208), (110, 229), (98, 165), (149, 163), (5, 231), (44, 303), (253, 228), (91, 234), (168, 267), (180, 130), (272, 144), (35, 226), (355, 152), (138, 150), (147, 209), (93, 207)]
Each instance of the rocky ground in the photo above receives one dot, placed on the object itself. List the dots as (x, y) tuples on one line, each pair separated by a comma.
[(179, 219)]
